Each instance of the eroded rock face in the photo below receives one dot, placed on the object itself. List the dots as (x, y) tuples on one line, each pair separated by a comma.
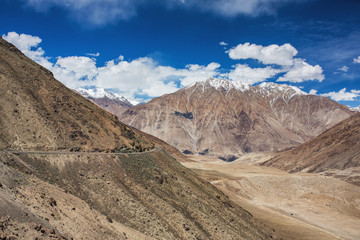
[(228, 118)]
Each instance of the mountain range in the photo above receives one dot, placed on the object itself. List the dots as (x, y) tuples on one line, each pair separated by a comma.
[(228, 119)]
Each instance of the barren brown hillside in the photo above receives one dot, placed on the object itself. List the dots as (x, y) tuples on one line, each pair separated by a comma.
[(38, 112), (334, 152)]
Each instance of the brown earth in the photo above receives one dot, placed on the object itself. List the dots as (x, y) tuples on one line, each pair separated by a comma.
[(45, 129), (203, 119), (336, 153), (297, 206), (38, 112), (31, 208), (140, 191)]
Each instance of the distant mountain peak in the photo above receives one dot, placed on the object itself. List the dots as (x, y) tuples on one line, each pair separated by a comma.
[(274, 87), (220, 83), (265, 88), (275, 91), (97, 93), (227, 85), (111, 102)]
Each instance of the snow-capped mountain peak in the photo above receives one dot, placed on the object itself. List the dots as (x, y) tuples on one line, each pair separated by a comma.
[(226, 84), (100, 93), (275, 91), (219, 83), (265, 89), (270, 88)]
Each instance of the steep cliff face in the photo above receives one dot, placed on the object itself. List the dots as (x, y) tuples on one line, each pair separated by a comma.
[(228, 118)]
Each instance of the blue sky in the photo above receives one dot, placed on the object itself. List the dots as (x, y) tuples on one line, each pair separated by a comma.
[(143, 49)]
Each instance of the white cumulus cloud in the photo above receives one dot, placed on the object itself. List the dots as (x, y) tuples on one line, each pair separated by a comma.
[(248, 75), (296, 69), (222, 43), (28, 44), (313, 92), (196, 73), (343, 95), (302, 71), (146, 78), (75, 70), (141, 76), (272, 54)]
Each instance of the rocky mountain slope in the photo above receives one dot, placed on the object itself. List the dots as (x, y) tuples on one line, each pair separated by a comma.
[(228, 118), (38, 112), (63, 160), (111, 102), (335, 152)]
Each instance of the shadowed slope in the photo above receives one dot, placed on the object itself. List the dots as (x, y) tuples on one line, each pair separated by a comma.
[(334, 152)]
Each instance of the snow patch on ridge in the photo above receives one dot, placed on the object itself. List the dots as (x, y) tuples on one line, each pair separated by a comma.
[(227, 85), (276, 91), (270, 88), (102, 93), (265, 88)]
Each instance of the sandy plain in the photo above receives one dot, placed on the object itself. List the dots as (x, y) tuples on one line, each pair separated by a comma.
[(296, 206)]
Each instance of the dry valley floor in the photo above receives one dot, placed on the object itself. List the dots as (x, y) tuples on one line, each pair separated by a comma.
[(297, 206)]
